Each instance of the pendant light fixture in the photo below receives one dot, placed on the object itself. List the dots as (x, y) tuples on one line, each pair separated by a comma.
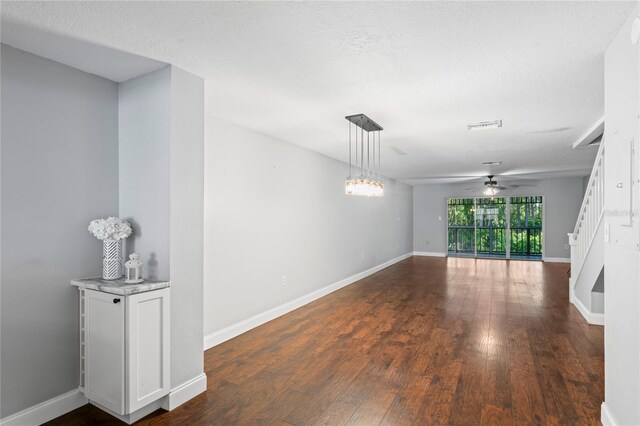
[(364, 175)]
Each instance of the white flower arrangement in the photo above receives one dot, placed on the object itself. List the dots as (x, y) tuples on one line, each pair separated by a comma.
[(111, 228)]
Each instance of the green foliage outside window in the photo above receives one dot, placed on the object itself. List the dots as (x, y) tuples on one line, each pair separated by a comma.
[(526, 225), (480, 225)]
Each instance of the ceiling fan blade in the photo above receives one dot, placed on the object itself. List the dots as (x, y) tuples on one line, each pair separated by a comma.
[(475, 188), (510, 178), (529, 185), (441, 179)]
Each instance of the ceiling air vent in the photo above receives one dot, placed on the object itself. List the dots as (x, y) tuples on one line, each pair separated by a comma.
[(483, 125), (492, 163)]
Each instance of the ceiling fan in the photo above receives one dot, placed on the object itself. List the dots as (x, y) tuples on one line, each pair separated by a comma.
[(490, 187)]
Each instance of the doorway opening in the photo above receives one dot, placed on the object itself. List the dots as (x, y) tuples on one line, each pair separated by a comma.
[(495, 227)]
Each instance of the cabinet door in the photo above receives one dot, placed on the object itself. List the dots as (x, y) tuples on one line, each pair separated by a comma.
[(148, 351), (104, 346)]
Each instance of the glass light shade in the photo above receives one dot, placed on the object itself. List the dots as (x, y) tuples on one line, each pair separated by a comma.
[(489, 190), (364, 186)]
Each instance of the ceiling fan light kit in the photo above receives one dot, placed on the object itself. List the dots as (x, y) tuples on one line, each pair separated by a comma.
[(368, 180), (490, 187), (490, 191)]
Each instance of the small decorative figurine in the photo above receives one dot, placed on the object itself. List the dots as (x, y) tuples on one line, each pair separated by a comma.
[(133, 269)]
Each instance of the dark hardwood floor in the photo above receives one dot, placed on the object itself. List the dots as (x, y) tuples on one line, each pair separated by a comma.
[(426, 341)]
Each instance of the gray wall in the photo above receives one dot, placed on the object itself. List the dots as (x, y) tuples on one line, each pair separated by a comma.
[(144, 136), (59, 169), (562, 200), (187, 225), (621, 256), (274, 209)]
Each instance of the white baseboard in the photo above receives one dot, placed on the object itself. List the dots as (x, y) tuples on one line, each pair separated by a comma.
[(177, 396), (596, 319), (48, 410), (136, 415), (606, 417), (237, 329), (581, 308), (557, 259), (572, 292), (592, 318), (185, 392), (62, 404), (429, 253)]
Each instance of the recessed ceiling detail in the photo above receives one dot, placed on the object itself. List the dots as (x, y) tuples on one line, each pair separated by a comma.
[(485, 125)]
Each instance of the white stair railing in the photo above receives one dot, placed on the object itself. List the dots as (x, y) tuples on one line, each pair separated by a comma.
[(589, 216)]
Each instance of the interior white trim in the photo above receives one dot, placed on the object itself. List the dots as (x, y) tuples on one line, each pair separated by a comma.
[(594, 319), (606, 417), (557, 259), (429, 253), (136, 415), (590, 135), (581, 308), (237, 329), (62, 404), (186, 391), (572, 292), (48, 410)]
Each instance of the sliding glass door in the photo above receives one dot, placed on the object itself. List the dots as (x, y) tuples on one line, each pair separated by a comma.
[(526, 227), (491, 227), (462, 232), (499, 227)]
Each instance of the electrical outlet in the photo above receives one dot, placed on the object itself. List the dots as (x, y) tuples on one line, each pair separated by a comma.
[(363, 257), (284, 280)]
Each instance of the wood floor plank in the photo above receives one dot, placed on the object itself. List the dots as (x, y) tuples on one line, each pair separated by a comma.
[(374, 407), (426, 341)]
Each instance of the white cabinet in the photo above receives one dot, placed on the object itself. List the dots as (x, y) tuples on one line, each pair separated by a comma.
[(103, 349), (147, 347), (124, 348)]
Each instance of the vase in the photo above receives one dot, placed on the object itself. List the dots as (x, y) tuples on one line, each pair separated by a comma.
[(111, 259)]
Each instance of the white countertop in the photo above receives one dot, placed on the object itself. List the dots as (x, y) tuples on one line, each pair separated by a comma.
[(119, 286)]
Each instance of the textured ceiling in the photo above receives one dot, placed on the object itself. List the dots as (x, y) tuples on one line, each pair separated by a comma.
[(423, 70)]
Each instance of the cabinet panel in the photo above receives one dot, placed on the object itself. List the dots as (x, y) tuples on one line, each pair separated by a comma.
[(104, 350), (148, 351)]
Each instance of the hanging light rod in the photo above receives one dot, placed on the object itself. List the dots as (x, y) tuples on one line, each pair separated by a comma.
[(364, 122)]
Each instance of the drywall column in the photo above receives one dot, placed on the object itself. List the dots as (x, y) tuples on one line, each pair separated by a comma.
[(161, 193), (59, 171), (187, 227), (144, 140), (621, 253)]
